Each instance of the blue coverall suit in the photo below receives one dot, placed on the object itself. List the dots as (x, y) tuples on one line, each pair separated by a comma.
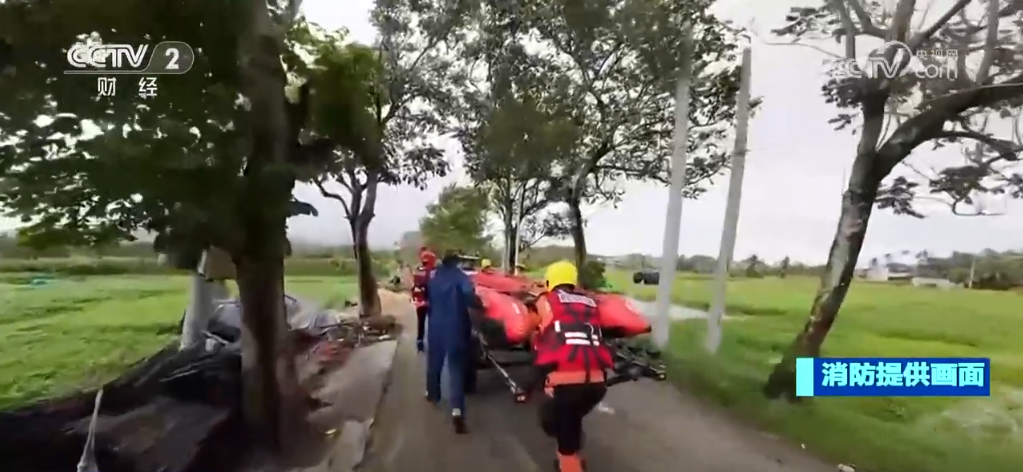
[(449, 332)]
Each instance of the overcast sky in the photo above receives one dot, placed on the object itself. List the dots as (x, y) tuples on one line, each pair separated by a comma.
[(794, 173)]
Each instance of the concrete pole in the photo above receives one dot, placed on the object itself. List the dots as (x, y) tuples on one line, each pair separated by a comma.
[(673, 219), (201, 295), (731, 226)]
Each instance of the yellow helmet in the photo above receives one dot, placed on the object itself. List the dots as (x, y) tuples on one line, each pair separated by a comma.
[(561, 273), (485, 263)]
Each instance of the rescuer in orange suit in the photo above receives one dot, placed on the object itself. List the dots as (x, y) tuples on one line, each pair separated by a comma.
[(420, 279), (571, 360)]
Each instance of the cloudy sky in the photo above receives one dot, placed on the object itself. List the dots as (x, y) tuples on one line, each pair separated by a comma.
[(794, 173)]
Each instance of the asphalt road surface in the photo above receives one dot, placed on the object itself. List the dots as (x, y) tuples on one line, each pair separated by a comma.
[(640, 427)]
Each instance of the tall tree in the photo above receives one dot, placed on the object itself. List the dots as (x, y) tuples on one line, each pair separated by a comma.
[(457, 221), (194, 164), (511, 143), (617, 62), (407, 108), (897, 112), (511, 130)]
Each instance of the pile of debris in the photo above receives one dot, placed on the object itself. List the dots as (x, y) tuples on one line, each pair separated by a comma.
[(180, 409)]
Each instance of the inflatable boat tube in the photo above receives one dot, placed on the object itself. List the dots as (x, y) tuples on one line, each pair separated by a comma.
[(620, 316), (501, 282), (506, 321)]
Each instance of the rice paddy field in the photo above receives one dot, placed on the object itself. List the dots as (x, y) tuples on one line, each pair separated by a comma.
[(871, 434), (69, 333)]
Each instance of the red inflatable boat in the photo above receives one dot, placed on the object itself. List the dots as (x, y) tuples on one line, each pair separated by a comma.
[(509, 314)]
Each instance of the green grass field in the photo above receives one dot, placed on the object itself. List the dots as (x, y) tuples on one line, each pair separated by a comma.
[(81, 332), (78, 332), (874, 434)]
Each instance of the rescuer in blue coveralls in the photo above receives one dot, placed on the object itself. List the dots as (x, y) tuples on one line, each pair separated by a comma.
[(450, 294)]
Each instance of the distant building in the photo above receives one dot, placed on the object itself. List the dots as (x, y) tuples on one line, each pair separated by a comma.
[(889, 271), (899, 272)]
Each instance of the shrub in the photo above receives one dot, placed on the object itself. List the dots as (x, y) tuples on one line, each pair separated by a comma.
[(591, 275)]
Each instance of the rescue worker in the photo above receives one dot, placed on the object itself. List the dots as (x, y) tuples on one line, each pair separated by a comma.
[(486, 266), (420, 278), (450, 295), (571, 360)]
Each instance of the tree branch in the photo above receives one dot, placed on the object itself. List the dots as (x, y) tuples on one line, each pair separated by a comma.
[(850, 28), (990, 40), (1008, 150), (920, 38), (930, 122), (901, 22), (333, 196), (867, 26)]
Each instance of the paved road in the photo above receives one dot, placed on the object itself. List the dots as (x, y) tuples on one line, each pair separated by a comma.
[(641, 427)]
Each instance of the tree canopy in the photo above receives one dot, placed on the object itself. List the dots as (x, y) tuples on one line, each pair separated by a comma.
[(457, 220), (210, 160), (602, 74)]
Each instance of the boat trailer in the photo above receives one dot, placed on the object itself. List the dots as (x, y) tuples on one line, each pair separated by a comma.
[(631, 363)]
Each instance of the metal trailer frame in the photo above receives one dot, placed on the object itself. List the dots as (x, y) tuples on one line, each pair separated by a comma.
[(631, 364)]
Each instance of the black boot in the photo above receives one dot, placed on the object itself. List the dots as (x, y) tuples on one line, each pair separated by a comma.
[(458, 421)]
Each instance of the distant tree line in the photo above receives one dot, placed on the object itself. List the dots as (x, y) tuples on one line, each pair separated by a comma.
[(991, 269), (12, 248)]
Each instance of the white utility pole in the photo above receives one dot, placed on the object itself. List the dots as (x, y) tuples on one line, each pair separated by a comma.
[(731, 226), (673, 220)]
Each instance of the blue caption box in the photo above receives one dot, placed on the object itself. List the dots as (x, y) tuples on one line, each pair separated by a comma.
[(893, 377)]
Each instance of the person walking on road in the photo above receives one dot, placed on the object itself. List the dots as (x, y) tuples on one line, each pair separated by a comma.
[(420, 278), (450, 295), (571, 360)]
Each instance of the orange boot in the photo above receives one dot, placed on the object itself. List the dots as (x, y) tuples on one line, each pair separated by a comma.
[(570, 463)]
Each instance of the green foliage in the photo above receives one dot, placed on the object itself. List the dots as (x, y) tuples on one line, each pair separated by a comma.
[(617, 63), (100, 180), (457, 221), (591, 275), (591, 106), (380, 138), (174, 166)]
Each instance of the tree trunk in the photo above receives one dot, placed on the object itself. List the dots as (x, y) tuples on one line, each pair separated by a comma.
[(273, 405), (578, 235), (273, 400), (508, 236), (369, 299), (513, 250), (857, 204)]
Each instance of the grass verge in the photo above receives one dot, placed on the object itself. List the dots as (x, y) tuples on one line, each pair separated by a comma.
[(882, 434), (80, 333)]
